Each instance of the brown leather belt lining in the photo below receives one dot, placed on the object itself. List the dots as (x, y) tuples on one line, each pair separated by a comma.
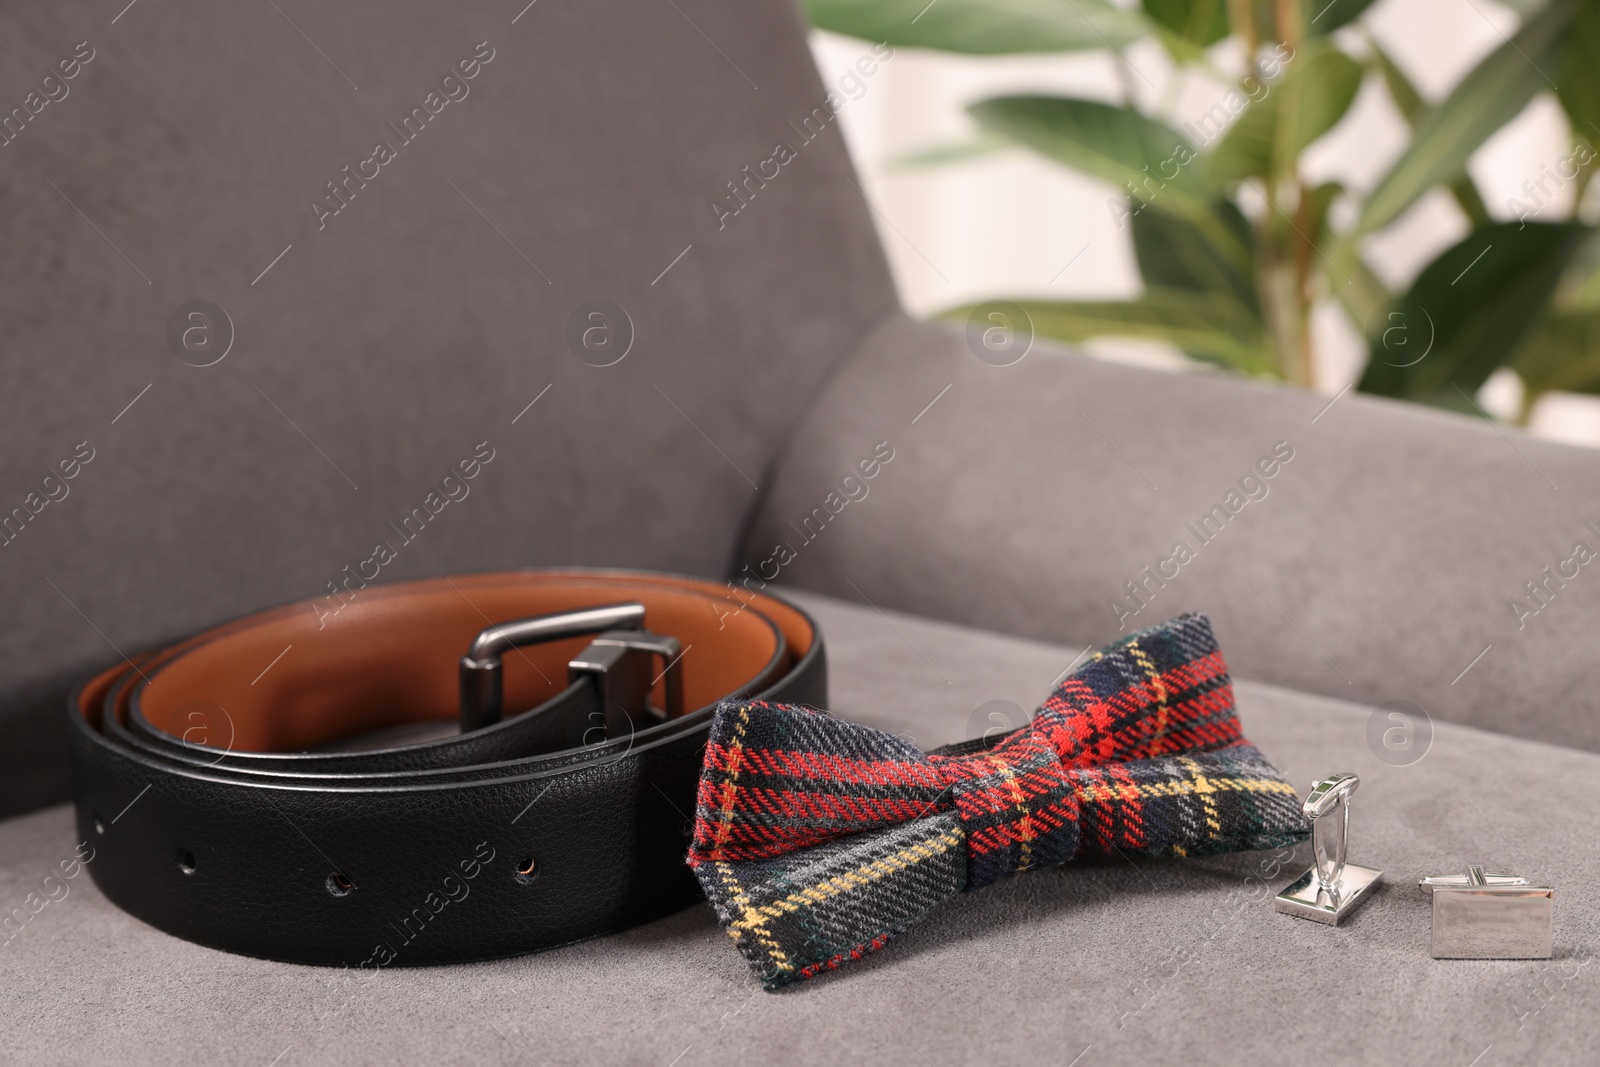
[(212, 784)]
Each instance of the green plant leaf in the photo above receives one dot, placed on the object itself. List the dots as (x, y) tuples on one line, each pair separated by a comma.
[(1174, 254), (1322, 198), (1246, 148), (983, 27), (1561, 352), (1328, 15), (1202, 22), (1313, 95), (1578, 84), (1312, 18), (1114, 144), (1402, 90), (1579, 288), (1467, 312), (1491, 95), (1206, 325), (1150, 161), (1525, 8), (1355, 286), (1413, 108), (1187, 53), (1470, 201)]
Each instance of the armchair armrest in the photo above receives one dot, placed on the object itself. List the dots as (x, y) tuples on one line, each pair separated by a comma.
[(1356, 547)]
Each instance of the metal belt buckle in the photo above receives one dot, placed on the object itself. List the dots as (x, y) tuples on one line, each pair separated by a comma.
[(617, 660), (614, 661), (1479, 916), (1332, 889)]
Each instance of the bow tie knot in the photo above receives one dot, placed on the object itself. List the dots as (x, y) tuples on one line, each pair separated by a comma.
[(1017, 804), (817, 840)]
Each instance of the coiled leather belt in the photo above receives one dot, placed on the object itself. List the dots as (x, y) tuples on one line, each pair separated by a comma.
[(218, 787)]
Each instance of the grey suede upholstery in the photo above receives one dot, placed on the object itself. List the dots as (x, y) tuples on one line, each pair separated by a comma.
[(429, 314), (1139, 962), (409, 328), (1383, 559)]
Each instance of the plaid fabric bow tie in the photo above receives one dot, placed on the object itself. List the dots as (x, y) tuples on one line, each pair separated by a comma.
[(818, 840)]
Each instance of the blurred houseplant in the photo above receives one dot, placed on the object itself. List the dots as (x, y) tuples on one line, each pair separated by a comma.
[(1235, 246)]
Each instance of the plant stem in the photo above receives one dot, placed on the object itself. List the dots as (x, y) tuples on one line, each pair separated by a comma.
[(1529, 399), (1242, 18), (1280, 303), (1305, 281), (1585, 174), (1287, 15), (1297, 288)]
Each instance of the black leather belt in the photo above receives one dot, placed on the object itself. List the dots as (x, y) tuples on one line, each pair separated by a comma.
[(226, 804)]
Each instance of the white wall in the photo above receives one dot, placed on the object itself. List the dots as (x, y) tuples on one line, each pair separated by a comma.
[(1013, 224)]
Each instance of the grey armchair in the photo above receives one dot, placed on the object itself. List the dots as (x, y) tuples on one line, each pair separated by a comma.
[(580, 258)]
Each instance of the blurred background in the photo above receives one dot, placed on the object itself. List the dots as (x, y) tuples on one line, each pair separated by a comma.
[(968, 214)]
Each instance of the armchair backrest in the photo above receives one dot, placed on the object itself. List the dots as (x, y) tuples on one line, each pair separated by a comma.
[(296, 292)]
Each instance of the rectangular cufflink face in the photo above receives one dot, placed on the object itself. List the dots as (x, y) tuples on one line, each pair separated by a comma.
[(1492, 922), (1305, 899)]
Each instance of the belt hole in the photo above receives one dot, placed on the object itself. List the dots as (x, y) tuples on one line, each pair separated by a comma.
[(527, 870), (99, 827), (339, 885), (186, 862)]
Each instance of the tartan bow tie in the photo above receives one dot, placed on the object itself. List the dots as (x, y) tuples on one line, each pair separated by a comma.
[(818, 840)]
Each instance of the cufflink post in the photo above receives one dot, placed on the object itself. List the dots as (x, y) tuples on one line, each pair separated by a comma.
[(1478, 916), (1333, 887)]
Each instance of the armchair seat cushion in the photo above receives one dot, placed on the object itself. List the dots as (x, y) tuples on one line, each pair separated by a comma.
[(1139, 962)]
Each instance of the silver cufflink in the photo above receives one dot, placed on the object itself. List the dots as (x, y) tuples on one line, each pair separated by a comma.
[(1331, 890), (1479, 916)]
